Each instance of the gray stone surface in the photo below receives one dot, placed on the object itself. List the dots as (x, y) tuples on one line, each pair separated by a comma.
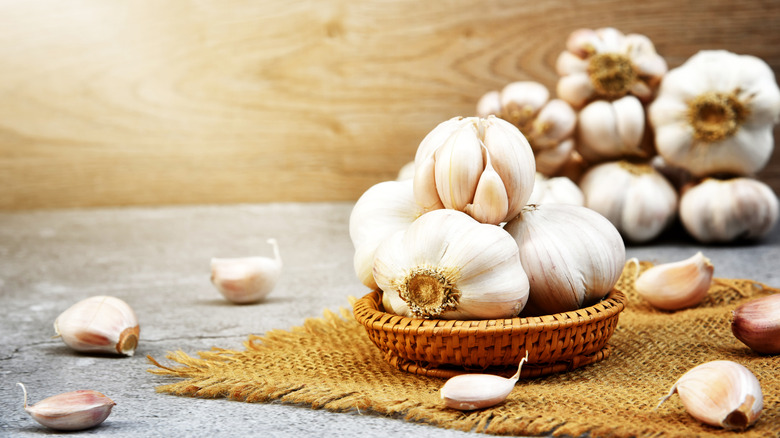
[(157, 259)]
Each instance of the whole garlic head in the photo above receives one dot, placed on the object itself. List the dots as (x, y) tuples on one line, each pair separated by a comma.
[(447, 265), (725, 210), (714, 114), (612, 130), (381, 211), (99, 324), (547, 124), (607, 64), (246, 280), (481, 166), (636, 198), (572, 255)]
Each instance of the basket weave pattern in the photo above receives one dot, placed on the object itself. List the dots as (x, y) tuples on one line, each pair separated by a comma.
[(443, 348)]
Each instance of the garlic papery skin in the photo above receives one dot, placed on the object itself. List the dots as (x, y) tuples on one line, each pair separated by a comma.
[(468, 164), (726, 210), (635, 197), (559, 189), (607, 64), (612, 130), (446, 265), (99, 324), (76, 410), (468, 392), (720, 393), (715, 113), (572, 255), (405, 172), (547, 124), (757, 324), (384, 209), (676, 285), (245, 280)]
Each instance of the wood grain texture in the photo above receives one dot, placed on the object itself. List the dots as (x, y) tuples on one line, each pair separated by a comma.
[(193, 102)]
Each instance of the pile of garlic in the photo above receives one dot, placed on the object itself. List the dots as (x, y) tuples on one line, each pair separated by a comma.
[(459, 239), (647, 145)]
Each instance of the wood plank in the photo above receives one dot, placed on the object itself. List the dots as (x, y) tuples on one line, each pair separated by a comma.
[(148, 103)]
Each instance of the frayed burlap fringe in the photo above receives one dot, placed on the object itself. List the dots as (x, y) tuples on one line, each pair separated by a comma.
[(329, 363)]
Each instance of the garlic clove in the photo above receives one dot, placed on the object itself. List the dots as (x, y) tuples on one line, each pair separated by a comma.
[(468, 392), (489, 104), (573, 256), (99, 324), (521, 101), (490, 204), (247, 279), (676, 285), (575, 88), (76, 410), (720, 393), (559, 189), (757, 324), (459, 165), (553, 160)]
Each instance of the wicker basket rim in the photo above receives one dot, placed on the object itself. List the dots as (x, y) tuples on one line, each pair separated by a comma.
[(369, 312)]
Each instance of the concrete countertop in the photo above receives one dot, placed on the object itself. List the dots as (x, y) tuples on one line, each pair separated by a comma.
[(157, 259)]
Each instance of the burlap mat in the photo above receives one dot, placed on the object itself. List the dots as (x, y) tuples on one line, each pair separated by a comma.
[(330, 363)]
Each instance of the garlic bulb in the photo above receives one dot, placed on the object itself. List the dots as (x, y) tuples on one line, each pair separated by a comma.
[(481, 166), (714, 114), (76, 410), (559, 189), (99, 324), (447, 265), (382, 210), (612, 130), (548, 125), (726, 210), (720, 393), (247, 279), (607, 64), (476, 391), (572, 255), (676, 285), (636, 198), (757, 324)]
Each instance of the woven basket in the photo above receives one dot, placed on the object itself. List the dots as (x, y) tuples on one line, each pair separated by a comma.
[(444, 348)]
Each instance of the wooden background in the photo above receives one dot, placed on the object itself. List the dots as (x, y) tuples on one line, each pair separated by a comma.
[(222, 101)]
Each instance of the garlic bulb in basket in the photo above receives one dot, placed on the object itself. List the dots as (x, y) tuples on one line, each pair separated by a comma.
[(607, 64), (726, 210), (714, 114), (636, 198), (447, 265), (572, 255), (481, 166), (382, 210)]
